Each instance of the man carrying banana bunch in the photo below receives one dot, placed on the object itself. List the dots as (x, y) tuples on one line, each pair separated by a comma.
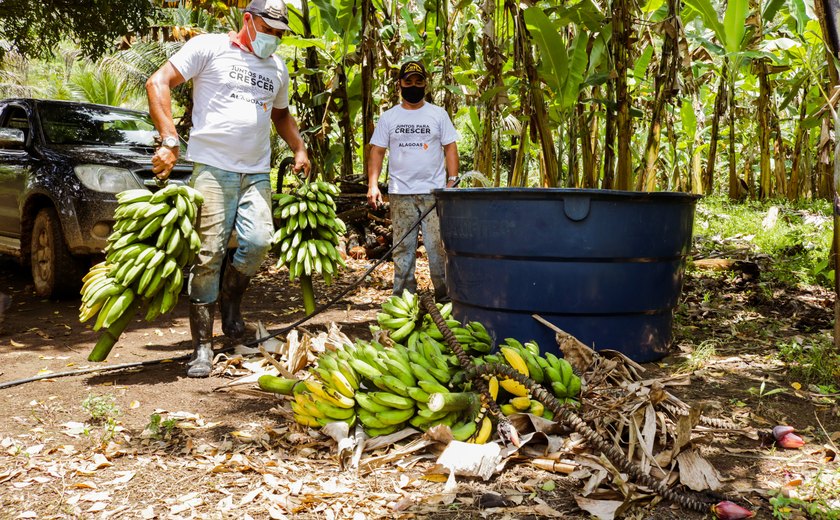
[(239, 88), (423, 156)]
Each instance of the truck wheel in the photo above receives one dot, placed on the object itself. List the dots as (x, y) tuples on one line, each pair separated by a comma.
[(55, 272)]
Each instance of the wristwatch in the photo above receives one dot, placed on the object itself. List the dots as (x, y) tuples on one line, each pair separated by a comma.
[(170, 141)]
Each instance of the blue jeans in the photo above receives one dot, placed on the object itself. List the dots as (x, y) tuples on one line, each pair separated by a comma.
[(405, 210), (232, 200)]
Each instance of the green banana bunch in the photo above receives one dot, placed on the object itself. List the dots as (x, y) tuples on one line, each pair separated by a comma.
[(306, 240), (390, 386), (399, 317), (562, 379), (153, 240), (472, 337)]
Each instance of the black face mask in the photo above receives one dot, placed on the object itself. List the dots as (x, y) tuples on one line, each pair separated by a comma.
[(413, 94)]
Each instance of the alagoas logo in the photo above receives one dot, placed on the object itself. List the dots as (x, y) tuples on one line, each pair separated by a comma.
[(410, 136), (417, 146)]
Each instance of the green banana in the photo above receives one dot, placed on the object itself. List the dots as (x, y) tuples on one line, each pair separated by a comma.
[(369, 419), (392, 400), (395, 417), (463, 431), (367, 403)]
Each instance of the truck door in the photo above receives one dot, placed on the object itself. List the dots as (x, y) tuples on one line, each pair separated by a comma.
[(15, 165)]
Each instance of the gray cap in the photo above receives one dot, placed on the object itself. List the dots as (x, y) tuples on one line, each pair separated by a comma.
[(273, 12)]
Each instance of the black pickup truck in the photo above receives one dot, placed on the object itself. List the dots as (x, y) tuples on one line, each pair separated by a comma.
[(61, 165)]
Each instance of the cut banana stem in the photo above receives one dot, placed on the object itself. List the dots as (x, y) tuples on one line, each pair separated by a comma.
[(453, 402)]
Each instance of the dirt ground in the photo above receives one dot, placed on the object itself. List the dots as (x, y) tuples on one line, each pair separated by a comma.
[(232, 455)]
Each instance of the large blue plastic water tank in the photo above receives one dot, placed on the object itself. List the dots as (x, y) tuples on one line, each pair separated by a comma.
[(603, 265)]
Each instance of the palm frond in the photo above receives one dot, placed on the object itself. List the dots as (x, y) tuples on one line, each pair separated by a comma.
[(140, 61)]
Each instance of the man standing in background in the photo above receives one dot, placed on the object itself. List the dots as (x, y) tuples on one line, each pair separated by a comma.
[(421, 140)]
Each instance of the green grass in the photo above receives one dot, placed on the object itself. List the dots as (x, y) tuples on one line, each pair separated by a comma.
[(813, 362), (798, 244), (818, 498)]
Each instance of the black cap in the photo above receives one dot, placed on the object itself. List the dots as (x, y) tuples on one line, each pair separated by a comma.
[(412, 67), (273, 12)]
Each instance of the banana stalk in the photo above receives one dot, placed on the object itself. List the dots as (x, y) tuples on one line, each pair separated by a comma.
[(109, 338), (308, 293)]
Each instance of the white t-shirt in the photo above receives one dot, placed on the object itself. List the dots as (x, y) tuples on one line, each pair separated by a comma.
[(234, 92), (415, 140)]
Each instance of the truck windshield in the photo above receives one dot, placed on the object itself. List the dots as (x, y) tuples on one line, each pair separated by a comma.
[(66, 124)]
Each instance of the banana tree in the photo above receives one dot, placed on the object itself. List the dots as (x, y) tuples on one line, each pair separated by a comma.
[(563, 71), (664, 88)]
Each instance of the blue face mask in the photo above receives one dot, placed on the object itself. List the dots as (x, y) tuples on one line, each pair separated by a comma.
[(263, 44)]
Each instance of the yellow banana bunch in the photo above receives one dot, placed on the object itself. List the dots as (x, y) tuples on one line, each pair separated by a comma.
[(153, 240), (546, 369), (306, 239)]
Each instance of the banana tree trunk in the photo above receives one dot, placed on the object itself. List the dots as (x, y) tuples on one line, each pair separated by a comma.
[(483, 161), (794, 185), (320, 142), (573, 180), (624, 128), (779, 153), (609, 140), (663, 86), (448, 58), (368, 66), (594, 139), (824, 175), (493, 62), (765, 185), (696, 167), (517, 176), (720, 108), (836, 235), (345, 124), (539, 111), (829, 10), (734, 188), (589, 175)]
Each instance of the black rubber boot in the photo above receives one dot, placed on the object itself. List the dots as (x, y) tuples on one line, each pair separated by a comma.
[(201, 328), (233, 288)]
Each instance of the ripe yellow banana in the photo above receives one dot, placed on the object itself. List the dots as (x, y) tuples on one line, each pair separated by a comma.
[(515, 360), (493, 386), (514, 387), (521, 403), (328, 394), (484, 431)]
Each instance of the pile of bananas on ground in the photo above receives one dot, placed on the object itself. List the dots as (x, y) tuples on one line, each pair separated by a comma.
[(417, 381), (386, 389), (153, 240), (400, 317), (307, 238)]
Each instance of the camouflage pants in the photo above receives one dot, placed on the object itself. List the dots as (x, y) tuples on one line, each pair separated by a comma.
[(405, 210)]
